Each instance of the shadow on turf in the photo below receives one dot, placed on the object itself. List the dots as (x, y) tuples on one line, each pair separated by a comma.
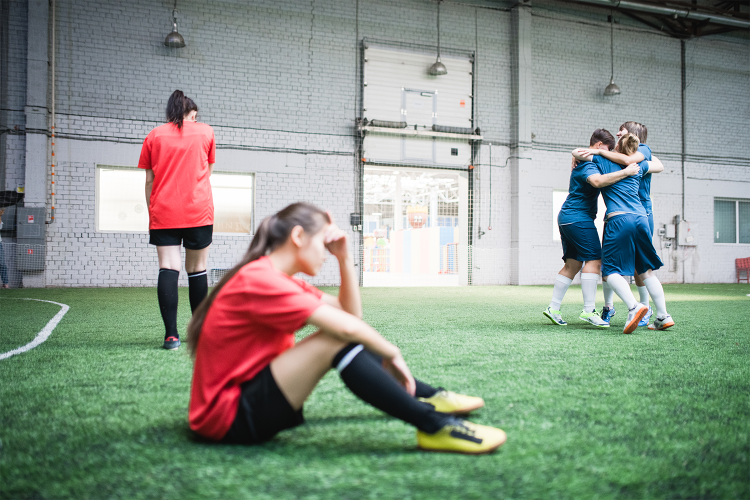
[(316, 435)]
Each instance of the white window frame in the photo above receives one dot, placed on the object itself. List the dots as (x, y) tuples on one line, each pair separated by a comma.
[(97, 198), (736, 219)]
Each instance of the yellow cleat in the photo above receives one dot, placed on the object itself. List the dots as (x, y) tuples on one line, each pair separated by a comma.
[(455, 404), (460, 436)]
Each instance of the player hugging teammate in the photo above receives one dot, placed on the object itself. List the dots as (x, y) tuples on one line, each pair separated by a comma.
[(624, 178)]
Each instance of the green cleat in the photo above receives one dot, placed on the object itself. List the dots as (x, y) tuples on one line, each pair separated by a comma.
[(554, 316)]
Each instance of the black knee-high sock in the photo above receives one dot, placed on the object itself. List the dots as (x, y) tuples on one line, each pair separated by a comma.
[(197, 288), (365, 376), (423, 390), (166, 290)]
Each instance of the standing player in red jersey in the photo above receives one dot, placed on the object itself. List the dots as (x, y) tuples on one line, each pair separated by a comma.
[(251, 380), (179, 157)]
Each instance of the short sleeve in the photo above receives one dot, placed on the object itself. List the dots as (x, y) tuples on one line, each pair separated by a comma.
[(589, 169), (145, 160), (597, 162), (212, 148), (285, 304), (308, 287), (645, 151)]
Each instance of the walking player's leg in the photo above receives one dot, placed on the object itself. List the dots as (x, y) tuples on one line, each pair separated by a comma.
[(166, 291), (196, 262)]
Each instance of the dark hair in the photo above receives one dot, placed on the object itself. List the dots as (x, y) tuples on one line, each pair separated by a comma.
[(637, 129), (178, 106), (272, 233), (602, 135)]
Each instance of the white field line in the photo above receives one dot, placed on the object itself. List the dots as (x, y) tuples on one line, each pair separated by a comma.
[(43, 334)]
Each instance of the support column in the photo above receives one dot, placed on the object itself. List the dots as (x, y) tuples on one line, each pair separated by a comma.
[(521, 149), (36, 104), (35, 168)]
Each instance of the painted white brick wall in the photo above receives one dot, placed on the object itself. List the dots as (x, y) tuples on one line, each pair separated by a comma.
[(277, 80)]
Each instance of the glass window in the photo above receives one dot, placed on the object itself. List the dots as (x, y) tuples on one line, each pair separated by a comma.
[(743, 212), (121, 204), (725, 221)]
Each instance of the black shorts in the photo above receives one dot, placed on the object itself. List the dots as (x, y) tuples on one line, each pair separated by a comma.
[(193, 238), (262, 412)]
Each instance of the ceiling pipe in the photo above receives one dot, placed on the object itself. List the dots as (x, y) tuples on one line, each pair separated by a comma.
[(671, 12)]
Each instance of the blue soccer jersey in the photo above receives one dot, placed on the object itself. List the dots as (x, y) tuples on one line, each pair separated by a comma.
[(621, 196), (581, 204), (644, 190)]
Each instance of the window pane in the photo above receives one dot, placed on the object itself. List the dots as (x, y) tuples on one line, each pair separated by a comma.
[(233, 202), (121, 204), (744, 209), (725, 221), (121, 200)]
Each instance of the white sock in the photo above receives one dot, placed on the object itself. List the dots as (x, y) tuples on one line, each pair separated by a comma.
[(588, 287), (643, 293), (657, 294), (609, 294), (622, 289), (561, 286)]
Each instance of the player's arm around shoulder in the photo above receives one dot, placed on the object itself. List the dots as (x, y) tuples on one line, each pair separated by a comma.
[(655, 166)]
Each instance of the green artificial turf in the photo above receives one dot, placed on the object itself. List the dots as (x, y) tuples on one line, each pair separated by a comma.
[(99, 410)]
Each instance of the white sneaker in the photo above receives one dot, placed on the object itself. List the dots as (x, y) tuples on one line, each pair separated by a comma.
[(554, 316), (635, 315), (661, 324), (593, 318)]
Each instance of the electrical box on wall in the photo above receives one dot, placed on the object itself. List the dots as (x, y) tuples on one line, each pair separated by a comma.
[(670, 231)]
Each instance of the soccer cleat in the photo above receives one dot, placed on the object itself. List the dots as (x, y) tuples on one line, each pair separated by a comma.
[(171, 343), (554, 316), (662, 324), (634, 317), (644, 321), (460, 436), (608, 313), (594, 319), (451, 402)]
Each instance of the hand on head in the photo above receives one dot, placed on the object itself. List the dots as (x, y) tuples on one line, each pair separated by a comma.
[(336, 239)]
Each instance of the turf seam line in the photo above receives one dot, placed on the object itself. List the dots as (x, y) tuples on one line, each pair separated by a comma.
[(43, 334)]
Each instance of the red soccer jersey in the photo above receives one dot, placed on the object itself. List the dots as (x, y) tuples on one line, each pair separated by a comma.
[(181, 195), (251, 321)]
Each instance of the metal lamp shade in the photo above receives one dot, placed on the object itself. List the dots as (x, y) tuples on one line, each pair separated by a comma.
[(612, 88), (438, 68), (174, 39)]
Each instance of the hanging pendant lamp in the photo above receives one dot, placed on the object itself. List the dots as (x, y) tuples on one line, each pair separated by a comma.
[(174, 39), (438, 68), (612, 88)]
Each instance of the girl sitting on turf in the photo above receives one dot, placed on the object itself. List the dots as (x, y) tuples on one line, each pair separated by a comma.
[(250, 380)]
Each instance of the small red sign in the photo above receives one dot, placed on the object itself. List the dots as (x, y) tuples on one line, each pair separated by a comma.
[(30, 251), (31, 219), (463, 104)]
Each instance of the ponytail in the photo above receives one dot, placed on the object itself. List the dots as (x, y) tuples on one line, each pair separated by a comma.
[(178, 106), (271, 234)]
